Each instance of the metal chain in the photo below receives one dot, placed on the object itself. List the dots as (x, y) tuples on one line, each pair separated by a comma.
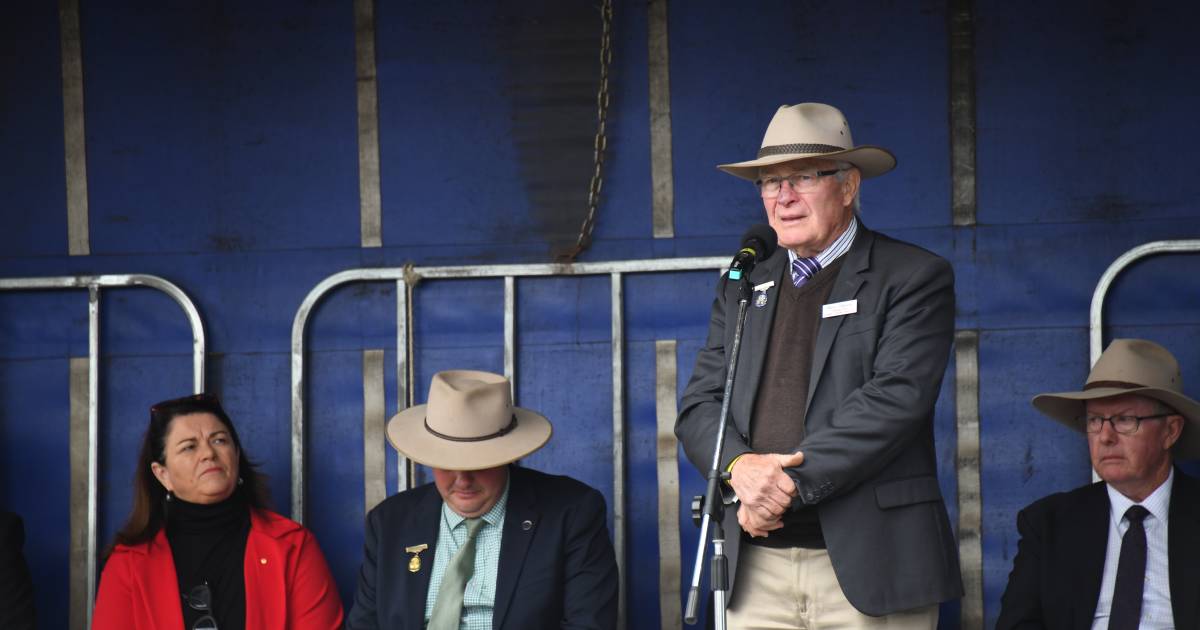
[(601, 142)]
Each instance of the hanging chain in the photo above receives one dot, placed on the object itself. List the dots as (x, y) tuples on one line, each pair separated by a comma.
[(601, 142)]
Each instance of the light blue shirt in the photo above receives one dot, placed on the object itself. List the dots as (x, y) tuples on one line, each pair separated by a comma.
[(1156, 593), (480, 595)]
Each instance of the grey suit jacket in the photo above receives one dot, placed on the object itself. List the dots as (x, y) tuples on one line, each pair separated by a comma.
[(870, 465)]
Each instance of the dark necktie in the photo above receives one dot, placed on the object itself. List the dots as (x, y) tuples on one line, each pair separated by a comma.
[(803, 269), (1126, 610)]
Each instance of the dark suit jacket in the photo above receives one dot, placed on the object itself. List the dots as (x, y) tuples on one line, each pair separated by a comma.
[(16, 588), (870, 466), (1056, 575), (559, 571)]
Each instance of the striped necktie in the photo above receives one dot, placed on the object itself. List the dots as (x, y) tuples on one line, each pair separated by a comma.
[(803, 269)]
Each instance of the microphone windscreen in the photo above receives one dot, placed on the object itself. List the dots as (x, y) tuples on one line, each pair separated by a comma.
[(762, 239)]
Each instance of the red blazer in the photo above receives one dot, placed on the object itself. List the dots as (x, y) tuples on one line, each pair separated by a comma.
[(288, 585)]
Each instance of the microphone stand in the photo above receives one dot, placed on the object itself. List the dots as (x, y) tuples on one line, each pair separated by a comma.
[(714, 508)]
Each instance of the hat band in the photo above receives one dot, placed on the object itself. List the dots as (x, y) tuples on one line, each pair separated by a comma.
[(780, 149), (503, 431), (1113, 384)]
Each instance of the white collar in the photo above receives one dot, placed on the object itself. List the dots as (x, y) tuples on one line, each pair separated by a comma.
[(836, 249), (1158, 503)]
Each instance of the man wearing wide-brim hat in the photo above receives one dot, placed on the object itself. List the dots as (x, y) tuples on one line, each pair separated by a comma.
[(1124, 552), (830, 449), (487, 544)]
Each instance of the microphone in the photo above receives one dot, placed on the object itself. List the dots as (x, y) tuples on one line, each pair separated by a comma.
[(758, 243)]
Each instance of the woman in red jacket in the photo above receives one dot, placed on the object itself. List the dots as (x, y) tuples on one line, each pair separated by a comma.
[(200, 550)]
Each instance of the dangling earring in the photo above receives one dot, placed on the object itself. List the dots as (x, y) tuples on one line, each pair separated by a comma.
[(241, 481), (170, 497)]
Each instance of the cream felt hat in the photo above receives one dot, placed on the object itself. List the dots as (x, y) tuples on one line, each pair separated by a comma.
[(468, 423), (1131, 366), (812, 130)]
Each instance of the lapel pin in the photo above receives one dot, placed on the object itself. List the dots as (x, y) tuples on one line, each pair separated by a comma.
[(414, 563), (526, 525), (760, 300)]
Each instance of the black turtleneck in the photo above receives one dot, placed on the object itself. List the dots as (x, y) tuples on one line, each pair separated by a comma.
[(208, 544)]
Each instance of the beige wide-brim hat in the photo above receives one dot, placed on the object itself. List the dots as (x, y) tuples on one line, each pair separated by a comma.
[(812, 130), (468, 423), (1131, 366)]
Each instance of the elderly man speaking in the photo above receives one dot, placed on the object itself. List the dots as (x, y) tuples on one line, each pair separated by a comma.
[(1122, 553), (487, 544), (830, 449)]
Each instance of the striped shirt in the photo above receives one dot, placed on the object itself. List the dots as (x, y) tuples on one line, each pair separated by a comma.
[(480, 595), (1156, 593), (840, 246)]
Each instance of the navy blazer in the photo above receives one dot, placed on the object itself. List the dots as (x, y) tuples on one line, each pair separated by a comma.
[(1056, 575), (16, 587), (557, 568), (870, 468)]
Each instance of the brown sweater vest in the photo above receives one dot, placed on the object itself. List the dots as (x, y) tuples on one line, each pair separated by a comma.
[(777, 423)]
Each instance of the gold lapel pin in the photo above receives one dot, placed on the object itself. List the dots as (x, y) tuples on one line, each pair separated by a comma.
[(414, 563)]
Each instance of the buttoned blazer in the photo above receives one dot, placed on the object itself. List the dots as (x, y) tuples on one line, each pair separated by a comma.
[(870, 466), (1059, 566), (556, 568)]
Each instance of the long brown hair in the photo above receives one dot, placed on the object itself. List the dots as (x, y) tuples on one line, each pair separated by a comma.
[(149, 496)]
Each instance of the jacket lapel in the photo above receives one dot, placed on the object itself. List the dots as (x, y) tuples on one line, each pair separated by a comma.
[(514, 542), (757, 331), (1183, 550), (1088, 544), (850, 279), (422, 527), (262, 578), (160, 585)]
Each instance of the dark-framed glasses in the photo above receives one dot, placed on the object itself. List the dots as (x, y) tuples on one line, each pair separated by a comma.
[(166, 410), (802, 181), (205, 399), (200, 598), (1094, 423)]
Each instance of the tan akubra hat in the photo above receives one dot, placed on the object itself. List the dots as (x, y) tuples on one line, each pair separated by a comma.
[(469, 423), (812, 130), (1131, 366)]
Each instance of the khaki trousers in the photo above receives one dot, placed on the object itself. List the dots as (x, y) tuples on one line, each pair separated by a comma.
[(796, 589)]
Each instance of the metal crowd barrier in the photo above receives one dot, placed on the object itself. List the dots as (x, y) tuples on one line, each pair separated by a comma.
[(405, 279), (1096, 315), (94, 284)]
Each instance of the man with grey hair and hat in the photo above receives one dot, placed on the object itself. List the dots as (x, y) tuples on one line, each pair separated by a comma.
[(840, 522), (1122, 553), (487, 544)]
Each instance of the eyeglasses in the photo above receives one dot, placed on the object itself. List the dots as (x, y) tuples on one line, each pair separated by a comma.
[(168, 409), (194, 399), (803, 181), (1124, 425), (200, 598)]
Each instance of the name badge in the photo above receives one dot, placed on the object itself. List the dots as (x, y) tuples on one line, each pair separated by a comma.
[(837, 309)]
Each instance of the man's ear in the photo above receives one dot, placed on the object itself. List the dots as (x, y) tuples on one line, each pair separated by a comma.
[(850, 187), (1174, 430)]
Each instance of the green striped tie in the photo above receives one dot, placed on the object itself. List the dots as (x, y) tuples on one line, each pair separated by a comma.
[(447, 610)]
